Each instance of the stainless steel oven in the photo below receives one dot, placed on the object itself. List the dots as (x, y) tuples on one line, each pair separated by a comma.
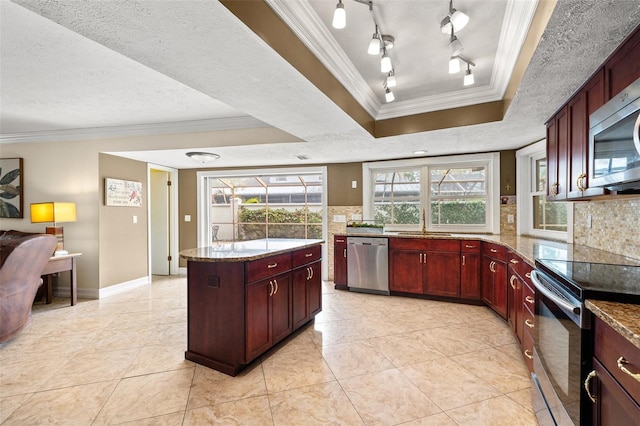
[(614, 142), (562, 354), (563, 342)]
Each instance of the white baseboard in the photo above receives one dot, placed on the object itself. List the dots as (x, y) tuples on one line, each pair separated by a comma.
[(94, 293)]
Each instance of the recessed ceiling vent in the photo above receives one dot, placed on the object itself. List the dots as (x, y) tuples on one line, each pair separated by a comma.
[(303, 157)]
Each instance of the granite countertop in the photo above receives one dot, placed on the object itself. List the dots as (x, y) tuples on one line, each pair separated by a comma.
[(528, 248), (622, 317), (242, 251)]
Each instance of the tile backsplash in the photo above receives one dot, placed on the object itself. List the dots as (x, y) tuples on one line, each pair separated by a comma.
[(615, 226)]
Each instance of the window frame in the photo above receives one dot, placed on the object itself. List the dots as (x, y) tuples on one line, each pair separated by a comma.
[(525, 180), (491, 161)]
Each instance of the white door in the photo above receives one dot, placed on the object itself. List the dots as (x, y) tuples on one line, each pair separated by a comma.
[(160, 240)]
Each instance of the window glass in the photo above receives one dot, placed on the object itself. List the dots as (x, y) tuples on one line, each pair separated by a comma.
[(458, 196), (396, 197), (267, 206)]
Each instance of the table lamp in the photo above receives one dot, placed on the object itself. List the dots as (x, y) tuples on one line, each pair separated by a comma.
[(57, 213)]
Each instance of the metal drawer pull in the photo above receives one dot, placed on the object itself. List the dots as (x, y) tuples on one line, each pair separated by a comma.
[(528, 354), (587, 382), (514, 261), (345, 252), (528, 323), (621, 363), (468, 246), (528, 275), (270, 288), (272, 265), (308, 255), (530, 300), (513, 277), (494, 251), (463, 260), (339, 241), (276, 281)]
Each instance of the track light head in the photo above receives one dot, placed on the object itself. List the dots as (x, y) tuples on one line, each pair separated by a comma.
[(454, 65), (339, 16), (454, 21), (388, 95), (385, 62), (374, 44)]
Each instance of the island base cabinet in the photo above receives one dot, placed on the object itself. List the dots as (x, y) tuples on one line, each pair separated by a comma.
[(216, 287), (613, 406)]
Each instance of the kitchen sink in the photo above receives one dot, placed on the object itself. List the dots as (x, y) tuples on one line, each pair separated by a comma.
[(426, 234)]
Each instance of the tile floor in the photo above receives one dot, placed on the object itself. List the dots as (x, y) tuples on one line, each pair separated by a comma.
[(366, 360)]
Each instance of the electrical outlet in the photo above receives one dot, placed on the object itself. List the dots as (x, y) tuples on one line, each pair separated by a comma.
[(135, 219), (187, 218), (339, 218), (589, 221), (354, 184), (510, 218)]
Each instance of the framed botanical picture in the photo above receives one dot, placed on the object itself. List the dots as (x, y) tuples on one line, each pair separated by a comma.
[(11, 198)]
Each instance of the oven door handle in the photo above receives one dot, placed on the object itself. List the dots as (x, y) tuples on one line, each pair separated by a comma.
[(636, 134), (554, 298)]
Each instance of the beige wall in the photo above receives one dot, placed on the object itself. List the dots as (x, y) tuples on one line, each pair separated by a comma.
[(123, 244), (70, 171)]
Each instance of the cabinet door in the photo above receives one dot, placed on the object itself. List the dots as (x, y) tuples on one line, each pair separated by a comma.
[(500, 288), (514, 304), (487, 280), (406, 271), (443, 273), (577, 157), (299, 297), (314, 289), (613, 405), (470, 282), (340, 262), (557, 142), (281, 324), (623, 67), (257, 313)]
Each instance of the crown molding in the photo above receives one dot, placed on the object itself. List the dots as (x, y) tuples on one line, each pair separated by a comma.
[(305, 23), (217, 124), (308, 27)]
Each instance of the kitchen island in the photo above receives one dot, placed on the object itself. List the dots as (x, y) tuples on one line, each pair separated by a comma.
[(244, 297)]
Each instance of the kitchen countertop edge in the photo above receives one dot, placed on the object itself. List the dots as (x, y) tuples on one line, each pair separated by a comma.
[(622, 317), (196, 255)]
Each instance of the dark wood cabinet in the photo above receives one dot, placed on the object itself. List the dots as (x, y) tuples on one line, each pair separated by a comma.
[(470, 270), (568, 130), (237, 310), (340, 262), (557, 160), (614, 391), (424, 266), (306, 293), (494, 278)]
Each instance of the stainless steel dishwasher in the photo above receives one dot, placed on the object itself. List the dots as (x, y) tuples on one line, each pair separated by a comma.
[(368, 264)]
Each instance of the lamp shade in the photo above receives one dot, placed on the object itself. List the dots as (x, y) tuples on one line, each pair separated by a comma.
[(339, 16), (53, 212)]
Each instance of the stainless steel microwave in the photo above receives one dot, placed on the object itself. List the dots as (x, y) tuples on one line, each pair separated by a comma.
[(614, 142)]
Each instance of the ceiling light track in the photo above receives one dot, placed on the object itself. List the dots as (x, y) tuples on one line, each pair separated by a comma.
[(454, 21), (378, 45)]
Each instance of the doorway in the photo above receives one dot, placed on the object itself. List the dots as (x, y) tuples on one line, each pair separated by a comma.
[(163, 248)]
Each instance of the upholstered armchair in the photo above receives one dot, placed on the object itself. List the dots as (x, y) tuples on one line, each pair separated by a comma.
[(23, 256)]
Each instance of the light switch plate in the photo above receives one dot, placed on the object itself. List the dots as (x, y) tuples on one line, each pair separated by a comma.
[(187, 218), (339, 218)]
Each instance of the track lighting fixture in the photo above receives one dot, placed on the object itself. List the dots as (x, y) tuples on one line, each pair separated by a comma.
[(468, 76), (454, 21), (391, 79), (388, 95), (374, 44), (385, 62), (455, 44), (454, 65), (339, 16)]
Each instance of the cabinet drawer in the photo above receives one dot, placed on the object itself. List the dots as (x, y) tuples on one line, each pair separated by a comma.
[(515, 262), (306, 256), (495, 250), (268, 267), (339, 240), (408, 243), (609, 347), (443, 245), (528, 297), (470, 246)]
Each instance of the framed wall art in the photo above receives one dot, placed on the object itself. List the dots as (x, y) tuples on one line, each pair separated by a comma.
[(122, 193), (11, 197)]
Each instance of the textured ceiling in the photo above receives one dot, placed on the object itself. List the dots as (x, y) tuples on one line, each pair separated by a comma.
[(115, 64)]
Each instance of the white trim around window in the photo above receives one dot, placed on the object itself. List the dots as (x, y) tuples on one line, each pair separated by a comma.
[(525, 178), (491, 161)]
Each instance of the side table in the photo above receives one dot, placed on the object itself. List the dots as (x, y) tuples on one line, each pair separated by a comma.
[(62, 263)]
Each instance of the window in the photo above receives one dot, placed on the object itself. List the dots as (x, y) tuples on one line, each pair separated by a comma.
[(537, 216), (280, 203), (454, 193)]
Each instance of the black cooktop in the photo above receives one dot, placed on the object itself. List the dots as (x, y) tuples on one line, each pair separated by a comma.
[(589, 280)]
